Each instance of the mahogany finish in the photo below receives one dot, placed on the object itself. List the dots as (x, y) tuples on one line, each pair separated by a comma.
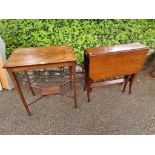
[(40, 56), (50, 90), (113, 61), (24, 59)]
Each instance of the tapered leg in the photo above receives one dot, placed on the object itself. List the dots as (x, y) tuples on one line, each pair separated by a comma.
[(74, 82), (13, 77), (29, 83), (70, 77), (85, 71), (131, 82), (85, 80), (90, 85), (89, 89), (126, 80)]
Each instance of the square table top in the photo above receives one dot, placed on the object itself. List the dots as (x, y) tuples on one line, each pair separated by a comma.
[(40, 56), (116, 48)]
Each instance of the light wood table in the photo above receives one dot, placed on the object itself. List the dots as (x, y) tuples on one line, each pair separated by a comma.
[(24, 59)]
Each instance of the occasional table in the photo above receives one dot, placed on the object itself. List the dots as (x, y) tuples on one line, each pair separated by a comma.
[(24, 59), (102, 63)]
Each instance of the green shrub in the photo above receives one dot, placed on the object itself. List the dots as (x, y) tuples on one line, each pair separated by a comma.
[(78, 33)]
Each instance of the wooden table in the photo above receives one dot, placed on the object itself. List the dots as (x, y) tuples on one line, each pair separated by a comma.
[(24, 59), (113, 61)]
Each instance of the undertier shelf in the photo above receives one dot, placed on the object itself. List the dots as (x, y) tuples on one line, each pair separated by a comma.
[(50, 90)]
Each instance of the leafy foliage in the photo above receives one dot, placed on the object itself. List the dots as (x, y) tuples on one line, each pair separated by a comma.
[(80, 34)]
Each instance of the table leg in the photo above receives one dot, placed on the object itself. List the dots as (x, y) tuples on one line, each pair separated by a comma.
[(17, 86), (126, 80), (74, 83), (131, 82), (29, 83), (70, 77), (85, 80), (86, 74), (89, 89), (85, 71)]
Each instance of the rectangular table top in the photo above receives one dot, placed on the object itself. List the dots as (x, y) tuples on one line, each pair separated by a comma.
[(116, 48), (40, 56)]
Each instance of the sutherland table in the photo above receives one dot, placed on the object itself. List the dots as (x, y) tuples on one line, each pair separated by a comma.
[(24, 59), (113, 61)]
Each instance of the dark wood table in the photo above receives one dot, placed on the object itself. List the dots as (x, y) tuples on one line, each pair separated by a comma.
[(24, 59), (113, 61)]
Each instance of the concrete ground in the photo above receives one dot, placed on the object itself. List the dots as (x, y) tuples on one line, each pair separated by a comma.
[(109, 112)]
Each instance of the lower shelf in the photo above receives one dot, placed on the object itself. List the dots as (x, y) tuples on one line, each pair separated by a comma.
[(50, 90)]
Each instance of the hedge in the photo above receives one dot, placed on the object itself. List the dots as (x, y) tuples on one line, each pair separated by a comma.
[(78, 33)]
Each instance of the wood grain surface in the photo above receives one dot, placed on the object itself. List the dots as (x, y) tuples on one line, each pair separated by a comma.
[(40, 55), (106, 62)]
